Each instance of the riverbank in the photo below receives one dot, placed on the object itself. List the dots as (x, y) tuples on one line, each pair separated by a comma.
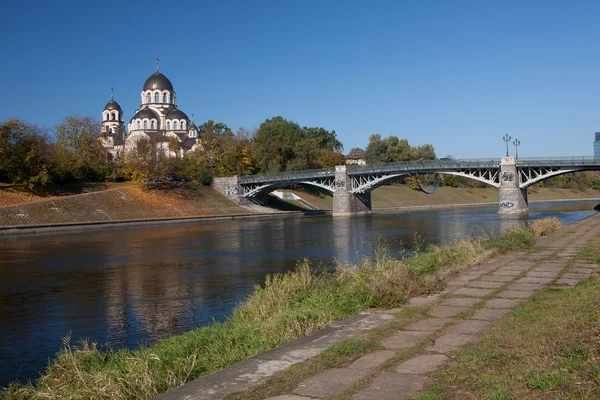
[(288, 306)]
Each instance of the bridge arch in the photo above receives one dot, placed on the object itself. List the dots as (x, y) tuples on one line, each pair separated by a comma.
[(368, 186), (532, 177), (268, 188)]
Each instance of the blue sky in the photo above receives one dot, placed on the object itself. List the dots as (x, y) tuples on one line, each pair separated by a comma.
[(456, 74)]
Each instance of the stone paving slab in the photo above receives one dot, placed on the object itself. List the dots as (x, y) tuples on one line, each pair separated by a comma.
[(392, 386), (447, 311), (422, 364), (472, 292), (517, 267), (289, 397), (451, 342), (461, 301), (469, 327), (405, 339), (525, 286), (581, 270), (549, 268), (486, 284), (542, 274), (372, 360), (429, 324), (330, 382), (504, 272), (574, 276), (516, 294), (570, 282), (489, 314), (535, 279), (502, 303), (422, 301), (497, 278)]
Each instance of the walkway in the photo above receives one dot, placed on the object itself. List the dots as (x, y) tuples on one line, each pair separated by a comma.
[(468, 306)]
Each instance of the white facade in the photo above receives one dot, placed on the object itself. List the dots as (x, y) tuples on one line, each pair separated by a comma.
[(158, 120)]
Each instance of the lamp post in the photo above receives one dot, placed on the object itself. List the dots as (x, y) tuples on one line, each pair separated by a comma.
[(506, 139), (516, 143)]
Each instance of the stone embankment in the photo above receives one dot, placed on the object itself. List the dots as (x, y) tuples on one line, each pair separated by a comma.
[(455, 318)]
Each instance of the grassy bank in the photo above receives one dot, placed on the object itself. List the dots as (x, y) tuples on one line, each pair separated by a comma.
[(286, 307), (403, 196), (548, 348)]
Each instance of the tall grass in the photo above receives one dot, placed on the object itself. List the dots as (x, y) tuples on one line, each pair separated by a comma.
[(286, 307)]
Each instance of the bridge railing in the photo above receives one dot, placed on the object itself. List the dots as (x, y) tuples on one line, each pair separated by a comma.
[(439, 164), (288, 176), (558, 161)]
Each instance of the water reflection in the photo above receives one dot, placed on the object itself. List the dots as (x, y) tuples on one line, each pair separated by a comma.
[(136, 285)]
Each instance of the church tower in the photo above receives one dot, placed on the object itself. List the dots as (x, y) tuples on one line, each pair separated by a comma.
[(112, 132)]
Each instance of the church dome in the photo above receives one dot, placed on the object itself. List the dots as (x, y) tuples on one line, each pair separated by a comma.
[(177, 114), (158, 81), (145, 113), (112, 105)]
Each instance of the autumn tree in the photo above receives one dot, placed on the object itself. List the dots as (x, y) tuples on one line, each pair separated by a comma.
[(392, 149)]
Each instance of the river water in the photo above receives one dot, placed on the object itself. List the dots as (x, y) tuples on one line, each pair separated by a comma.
[(137, 285)]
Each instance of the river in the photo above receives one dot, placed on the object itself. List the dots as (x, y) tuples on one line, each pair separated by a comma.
[(131, 286)]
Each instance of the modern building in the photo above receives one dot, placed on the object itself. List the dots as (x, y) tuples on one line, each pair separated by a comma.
[(597, 145), (158, 120)]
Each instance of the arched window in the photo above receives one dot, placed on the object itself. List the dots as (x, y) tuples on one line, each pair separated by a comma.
[(156, 97), (182, 124), (173, 99), (175, 125), (153, 124), (165, 98), (145, 124), (116, 115), (138, 124), (148, 98), (168, 125), (112, 117)]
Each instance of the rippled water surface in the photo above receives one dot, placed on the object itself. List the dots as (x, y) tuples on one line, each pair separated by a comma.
[(138, 285)]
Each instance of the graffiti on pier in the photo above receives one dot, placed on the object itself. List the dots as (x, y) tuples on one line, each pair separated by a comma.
[(231, 191), (339, 183), (508, 176), (506, 204)]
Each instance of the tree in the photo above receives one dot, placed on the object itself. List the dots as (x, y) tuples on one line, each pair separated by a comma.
[(356, 152), (210, 126), (282, 145), (24, 154), (392, 149)]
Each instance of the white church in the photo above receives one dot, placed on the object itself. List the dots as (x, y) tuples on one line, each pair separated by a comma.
[(158, 120)]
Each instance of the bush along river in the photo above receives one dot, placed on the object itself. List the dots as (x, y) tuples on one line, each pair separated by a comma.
[(134, 286)]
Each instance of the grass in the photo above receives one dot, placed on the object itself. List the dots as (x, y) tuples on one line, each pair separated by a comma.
[(286, 307), (548, 348)]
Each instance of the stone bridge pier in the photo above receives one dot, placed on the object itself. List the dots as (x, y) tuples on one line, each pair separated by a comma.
[(230, 187), (512, 198), (344, 201)]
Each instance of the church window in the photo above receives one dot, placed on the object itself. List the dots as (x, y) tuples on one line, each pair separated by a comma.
[(153, 124), (145, 124), (165, 100), (148, 98), (168, 125), (156, 98), (175, 125), (182, 124), (138, 124)]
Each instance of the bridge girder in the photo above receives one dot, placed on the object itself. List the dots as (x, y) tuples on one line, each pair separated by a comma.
[(252, 190), (531, 175), (368, 182)]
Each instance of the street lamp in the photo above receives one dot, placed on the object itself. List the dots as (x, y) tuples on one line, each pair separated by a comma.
[(506, 139), (516, 143)]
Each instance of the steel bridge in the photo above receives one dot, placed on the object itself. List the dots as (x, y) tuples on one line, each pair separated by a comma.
[(366, 178)]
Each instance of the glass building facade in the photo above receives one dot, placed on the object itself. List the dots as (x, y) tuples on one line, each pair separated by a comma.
[(597, 145)]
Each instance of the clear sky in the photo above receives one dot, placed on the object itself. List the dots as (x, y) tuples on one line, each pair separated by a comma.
[(456, 74)]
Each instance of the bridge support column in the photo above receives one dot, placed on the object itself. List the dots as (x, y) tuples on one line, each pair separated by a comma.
[(230, 188), (512, 199), (344, 202)]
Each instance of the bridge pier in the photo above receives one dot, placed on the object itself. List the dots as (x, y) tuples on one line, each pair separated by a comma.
[(344, 201), (230, 187), (512, 198)]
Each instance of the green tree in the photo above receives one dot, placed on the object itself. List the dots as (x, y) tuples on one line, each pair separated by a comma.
[(210, 126), (282, 145), (356, 152), (392, 149)]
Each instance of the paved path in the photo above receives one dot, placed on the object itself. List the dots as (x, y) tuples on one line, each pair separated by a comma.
[(469, 305), (509, 279)]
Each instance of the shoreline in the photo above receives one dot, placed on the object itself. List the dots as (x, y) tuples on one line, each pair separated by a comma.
[(35, 229)]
